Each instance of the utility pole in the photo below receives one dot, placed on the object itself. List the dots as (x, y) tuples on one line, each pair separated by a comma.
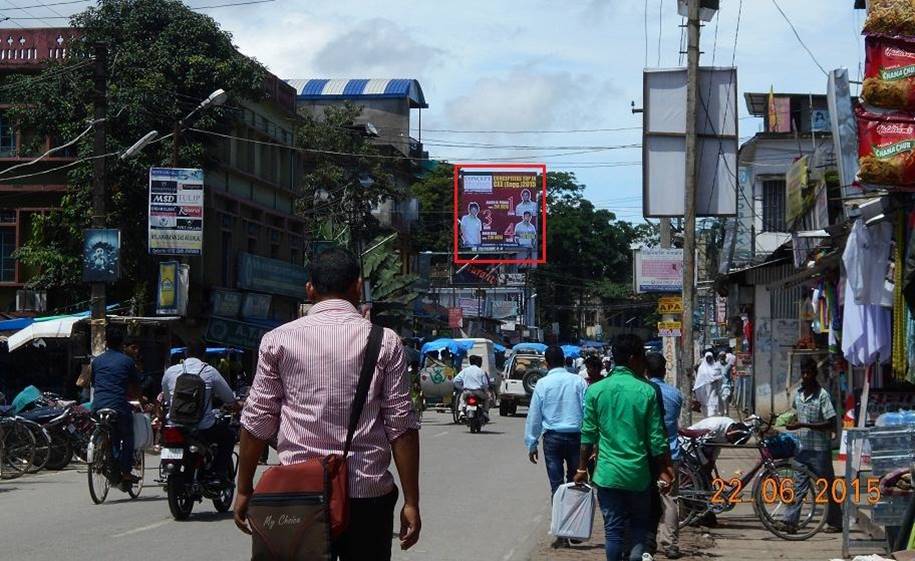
[(685, 373), (100, 103)]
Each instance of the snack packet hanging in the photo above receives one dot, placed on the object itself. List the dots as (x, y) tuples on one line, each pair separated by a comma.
[(889, 75), (886, 148)]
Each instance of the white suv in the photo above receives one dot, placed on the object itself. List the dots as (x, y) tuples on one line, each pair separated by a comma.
[(522, 371)]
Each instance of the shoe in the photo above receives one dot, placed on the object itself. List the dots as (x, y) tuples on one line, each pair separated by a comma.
[(832, 530), (576, 542), (672, 552), (130, 479), (560, 543)]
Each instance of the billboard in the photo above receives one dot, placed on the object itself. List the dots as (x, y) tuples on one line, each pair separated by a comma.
[(658, 270), (664, 142), (500, 213), (101, 255), (175, 211)]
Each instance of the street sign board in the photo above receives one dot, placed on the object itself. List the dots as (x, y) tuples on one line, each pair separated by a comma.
[(670, 305), (670, 328), (234, 333), (658, 270), (455, 318), (175, 211)]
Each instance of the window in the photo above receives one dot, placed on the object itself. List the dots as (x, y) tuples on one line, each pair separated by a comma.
[(274, 251), (252, 245), (7, 247), (7, 137), (226, 257), (294, 257), (773, 206)]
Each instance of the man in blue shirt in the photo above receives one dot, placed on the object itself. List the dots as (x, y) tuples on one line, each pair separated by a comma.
[(672, 400), (114, 377), (556, 412)]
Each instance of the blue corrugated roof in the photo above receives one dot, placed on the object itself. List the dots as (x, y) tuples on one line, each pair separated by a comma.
[(360, 88)]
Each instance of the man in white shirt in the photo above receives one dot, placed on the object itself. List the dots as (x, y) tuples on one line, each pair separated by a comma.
[(526, 204), (472, 226), (525, 232), (473, 380), (722, 430)]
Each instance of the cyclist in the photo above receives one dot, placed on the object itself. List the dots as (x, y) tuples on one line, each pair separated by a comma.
[(114, 378)]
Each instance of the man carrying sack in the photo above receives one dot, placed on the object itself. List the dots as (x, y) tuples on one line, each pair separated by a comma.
[(329, 386)]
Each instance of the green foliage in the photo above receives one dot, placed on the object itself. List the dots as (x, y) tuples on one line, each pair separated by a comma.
[(341, 155), (163, 59), (435, 192)]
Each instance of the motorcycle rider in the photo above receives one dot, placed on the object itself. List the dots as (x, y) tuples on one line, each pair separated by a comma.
[(474, 381), (216, 386)]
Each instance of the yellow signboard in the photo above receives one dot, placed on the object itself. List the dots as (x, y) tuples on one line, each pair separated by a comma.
[(670, 328), (670, 305)]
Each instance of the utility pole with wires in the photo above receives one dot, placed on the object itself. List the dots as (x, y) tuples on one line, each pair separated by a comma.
[(684, 374), (99, 217)]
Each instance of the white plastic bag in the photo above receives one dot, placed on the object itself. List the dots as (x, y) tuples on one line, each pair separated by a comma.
[(573, 511), (142, 431)]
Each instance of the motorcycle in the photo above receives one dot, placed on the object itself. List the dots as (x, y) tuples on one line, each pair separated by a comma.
[(474, 413), (186, 467)]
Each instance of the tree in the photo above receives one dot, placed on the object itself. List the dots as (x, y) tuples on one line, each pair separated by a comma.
[(588, 254), (163, 59), (346, 176), (435, 192)]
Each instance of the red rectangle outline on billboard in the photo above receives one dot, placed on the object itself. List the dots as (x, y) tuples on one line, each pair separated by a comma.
[(499, 167)]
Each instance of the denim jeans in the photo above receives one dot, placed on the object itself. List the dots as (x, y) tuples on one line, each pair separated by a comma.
[(620, 508), (820, 463), (122, 441), (561, 451)]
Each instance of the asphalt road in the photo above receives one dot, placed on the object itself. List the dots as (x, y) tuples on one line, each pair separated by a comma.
[(481, 499)]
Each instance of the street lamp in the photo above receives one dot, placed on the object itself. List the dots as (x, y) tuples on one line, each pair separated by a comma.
[(139, 145), (216, 98)]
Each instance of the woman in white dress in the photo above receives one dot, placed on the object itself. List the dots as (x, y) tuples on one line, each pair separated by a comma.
[(707, 387)]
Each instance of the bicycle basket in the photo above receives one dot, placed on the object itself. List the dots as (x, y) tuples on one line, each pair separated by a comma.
[(782, 446)]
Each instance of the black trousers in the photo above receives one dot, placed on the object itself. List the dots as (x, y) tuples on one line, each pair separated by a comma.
[(370, 531)]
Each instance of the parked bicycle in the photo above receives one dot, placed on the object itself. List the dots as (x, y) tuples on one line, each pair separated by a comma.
[(104, 469), (17, 447), (783, 492)]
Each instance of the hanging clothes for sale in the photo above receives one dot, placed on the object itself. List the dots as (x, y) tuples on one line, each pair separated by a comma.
[(866, 331), (867, 258)]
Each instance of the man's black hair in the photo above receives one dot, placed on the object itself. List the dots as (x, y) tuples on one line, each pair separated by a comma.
[(473, 204), (197, 348), (555, 358), (114, 338), (809, 363), (656, 365), (570, 361), (594, 361), (528, 213), (476, 360), (334, 270), (626, 347)]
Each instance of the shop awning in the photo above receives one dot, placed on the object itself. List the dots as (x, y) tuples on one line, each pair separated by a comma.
[(50, 329), (826, 263)]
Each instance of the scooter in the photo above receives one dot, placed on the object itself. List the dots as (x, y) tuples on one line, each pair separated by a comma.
[(186, 467)]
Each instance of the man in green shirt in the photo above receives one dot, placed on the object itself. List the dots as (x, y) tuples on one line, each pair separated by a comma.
[(622, 417)]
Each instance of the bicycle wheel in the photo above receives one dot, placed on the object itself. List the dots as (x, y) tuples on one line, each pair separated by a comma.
[(42, 446), (693, 495), (99, 466), (784, 498), (139, 468), (18, 449)]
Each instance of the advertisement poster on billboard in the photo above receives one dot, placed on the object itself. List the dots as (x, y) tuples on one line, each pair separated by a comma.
[(500, 210), (101, 255), (658, 270), (175, 211)]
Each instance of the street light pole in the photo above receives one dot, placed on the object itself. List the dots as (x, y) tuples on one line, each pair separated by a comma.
[(100, 103), (684, 374)]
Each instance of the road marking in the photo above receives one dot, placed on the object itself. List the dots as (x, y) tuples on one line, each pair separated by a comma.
[(443, 433), (509, 555), (142, 529)]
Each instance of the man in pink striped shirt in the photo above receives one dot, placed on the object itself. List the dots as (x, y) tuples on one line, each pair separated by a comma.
[(307, 374)]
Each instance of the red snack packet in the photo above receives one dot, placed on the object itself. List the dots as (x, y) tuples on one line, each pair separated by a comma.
[(889, 73), (886, 148)]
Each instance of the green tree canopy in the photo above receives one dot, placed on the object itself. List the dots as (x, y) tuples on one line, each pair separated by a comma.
[(163, 59), (435, 192)]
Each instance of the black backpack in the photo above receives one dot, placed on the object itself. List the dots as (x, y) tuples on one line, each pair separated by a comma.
[(189, 398)]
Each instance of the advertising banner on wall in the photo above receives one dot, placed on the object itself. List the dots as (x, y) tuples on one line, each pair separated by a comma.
[(171, 291), (500, 209), (101, 255), (271, 276), (175, 211), (658, 270)]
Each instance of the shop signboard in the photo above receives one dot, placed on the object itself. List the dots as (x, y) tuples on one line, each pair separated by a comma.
[(670, 305), (504, 308), (271, 276), (797, 195), (101, 255), (455, 318), (658, 270), (256, 306), (234, 333), (226, 303), (471, 307), (670, 328), (175, 211), (500, 209), (171, 290), (512, 279)]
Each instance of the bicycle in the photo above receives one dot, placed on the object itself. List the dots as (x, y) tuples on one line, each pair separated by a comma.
[(777, 483), (17, 447), (104, 469)]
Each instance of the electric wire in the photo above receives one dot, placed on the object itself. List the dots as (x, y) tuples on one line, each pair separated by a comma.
[(799, 39)]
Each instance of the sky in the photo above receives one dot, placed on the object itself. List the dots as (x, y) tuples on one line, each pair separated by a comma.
[(533, 65)]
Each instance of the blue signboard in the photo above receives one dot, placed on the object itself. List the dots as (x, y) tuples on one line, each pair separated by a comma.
[(272, 276)]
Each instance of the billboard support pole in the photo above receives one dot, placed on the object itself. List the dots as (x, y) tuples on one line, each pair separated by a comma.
[(100, 105), (684, 374)]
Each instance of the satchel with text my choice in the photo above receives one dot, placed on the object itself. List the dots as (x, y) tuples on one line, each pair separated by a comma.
[(298, 509)]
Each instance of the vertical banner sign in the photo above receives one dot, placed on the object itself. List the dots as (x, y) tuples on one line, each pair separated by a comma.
[(500, 210), (175, 211), (101, 255), (455, 318), (167, 292)]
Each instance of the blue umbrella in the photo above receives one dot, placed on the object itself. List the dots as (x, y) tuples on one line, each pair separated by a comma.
[(534, 347), (571, 351)]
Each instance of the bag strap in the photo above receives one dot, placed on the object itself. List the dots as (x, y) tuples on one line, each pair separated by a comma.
[(372, 350)]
